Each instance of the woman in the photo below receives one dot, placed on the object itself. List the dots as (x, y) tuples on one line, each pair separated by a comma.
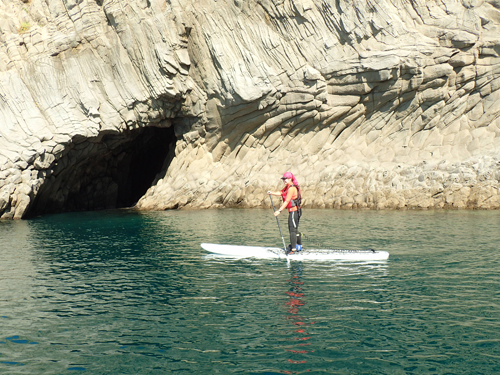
[(292, 201)]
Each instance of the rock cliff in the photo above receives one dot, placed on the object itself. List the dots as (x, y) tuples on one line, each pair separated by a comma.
[(205, 103)]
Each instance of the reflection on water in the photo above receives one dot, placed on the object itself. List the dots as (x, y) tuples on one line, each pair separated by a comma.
[(300, 323), (120, 292)]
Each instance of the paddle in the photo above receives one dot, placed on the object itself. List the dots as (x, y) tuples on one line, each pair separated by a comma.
[(281, 233)]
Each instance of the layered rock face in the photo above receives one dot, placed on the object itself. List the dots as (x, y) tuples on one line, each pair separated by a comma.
[(387, 104)]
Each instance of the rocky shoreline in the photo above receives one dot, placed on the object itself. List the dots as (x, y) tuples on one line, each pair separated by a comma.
[(474, 184)]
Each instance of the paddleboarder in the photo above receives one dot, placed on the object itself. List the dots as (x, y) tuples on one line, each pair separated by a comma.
[(292, 201)]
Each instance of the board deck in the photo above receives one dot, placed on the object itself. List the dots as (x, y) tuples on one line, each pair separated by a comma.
[(239, 251)]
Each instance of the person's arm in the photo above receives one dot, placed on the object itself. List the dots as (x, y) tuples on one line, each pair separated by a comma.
[(277, 193)]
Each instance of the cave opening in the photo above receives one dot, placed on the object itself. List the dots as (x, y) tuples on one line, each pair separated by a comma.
[(111, 171)]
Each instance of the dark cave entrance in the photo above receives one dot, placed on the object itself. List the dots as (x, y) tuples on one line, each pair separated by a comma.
[(146, 157), (114, 171)]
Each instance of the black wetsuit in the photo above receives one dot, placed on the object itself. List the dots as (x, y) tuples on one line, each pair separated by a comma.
[(293, 227), (294, 217)]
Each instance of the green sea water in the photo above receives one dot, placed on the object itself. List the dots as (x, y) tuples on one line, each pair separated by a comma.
[(122, 292)]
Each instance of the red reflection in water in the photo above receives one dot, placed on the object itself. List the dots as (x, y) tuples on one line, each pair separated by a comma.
[(292, 361), (296, 299), (297, 351)]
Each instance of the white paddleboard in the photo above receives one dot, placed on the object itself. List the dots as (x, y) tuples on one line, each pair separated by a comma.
[(239, 251)]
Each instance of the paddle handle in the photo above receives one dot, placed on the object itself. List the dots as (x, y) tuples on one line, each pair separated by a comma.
[(279, 226)]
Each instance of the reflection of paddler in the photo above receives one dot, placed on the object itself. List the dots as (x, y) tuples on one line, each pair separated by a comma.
[(292, 199), (295, 301)]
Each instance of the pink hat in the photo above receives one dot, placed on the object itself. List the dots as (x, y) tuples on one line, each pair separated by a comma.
[(290, 175)]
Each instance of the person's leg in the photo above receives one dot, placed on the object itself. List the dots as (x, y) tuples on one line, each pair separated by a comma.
[(299, 235), (299, 241), (293, 224)]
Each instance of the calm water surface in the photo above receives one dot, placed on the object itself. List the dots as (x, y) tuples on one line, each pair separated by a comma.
[(121, 292)]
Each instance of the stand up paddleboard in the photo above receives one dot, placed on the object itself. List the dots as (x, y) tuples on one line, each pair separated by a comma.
[(277, 253)]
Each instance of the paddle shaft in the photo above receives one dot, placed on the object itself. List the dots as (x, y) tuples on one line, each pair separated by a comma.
[(279, 226)]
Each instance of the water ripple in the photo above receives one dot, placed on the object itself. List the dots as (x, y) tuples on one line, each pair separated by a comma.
[(132, 293)]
